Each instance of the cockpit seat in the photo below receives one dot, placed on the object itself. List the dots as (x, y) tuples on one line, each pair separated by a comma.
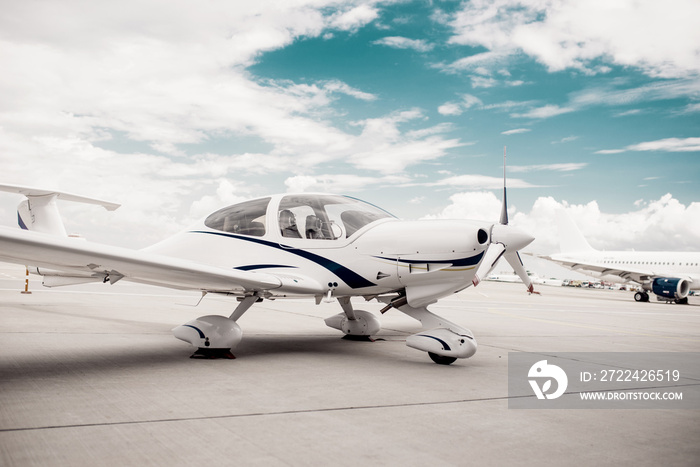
[(313, 227), (288, 224)]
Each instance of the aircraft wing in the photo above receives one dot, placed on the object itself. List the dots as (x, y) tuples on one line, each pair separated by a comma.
[(78, 258), (638, 275)]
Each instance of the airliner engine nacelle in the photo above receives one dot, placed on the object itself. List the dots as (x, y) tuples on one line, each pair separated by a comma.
[(673, 289)]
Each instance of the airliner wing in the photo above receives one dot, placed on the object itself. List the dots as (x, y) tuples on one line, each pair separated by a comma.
[(77, 258), (639, 275)]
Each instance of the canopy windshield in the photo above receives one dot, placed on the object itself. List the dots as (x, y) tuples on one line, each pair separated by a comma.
[(246, 218), (325, 217)]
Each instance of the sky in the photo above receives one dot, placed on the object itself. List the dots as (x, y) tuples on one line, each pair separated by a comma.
[(177, 108)]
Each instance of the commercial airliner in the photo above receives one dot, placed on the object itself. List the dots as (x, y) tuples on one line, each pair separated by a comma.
[(669, 275), (324, 246)]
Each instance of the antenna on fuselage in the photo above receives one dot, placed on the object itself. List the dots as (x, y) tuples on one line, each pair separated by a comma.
[(504, 208)]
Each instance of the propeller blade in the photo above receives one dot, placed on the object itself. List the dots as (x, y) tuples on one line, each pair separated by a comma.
[(493, 254), (516, 263), (505, 241)]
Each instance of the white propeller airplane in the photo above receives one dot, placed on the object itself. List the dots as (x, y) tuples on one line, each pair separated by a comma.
[(668, 274), (291, 245)]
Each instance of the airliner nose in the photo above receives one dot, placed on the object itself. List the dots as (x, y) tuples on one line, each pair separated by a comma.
[(512, 238)]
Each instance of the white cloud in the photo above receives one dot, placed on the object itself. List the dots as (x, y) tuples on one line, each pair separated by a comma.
[(692, 108), (628, 113), (508, 106), (566, 139), (405, 43), (546, 111), (483, 82), (383, 147), (485, 69), (479, 205), (354, 18), (663, 145), (663, 224), (339, 86), (610, 151), (516, 131), (567, 167), (166, 90), (450, 108), (668, 145), (457, 108), (480, 63), (612, 93), (659, 38), (469, 101)]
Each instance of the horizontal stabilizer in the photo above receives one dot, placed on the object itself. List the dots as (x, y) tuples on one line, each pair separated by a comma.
[(31, 192), (39, 212)]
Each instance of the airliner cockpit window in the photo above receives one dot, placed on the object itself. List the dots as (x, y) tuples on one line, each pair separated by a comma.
[(246, 218), (325, 217)]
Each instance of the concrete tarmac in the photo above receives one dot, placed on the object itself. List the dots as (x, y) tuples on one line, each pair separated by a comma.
[(91, 375)]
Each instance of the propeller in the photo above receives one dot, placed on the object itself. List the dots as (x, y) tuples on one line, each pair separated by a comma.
[(506, 240)]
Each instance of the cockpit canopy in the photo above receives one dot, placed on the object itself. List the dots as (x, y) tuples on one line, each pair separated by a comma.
[(304, 216)]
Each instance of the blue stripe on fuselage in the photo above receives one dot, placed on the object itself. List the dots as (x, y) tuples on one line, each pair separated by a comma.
[(470, 261), (353, 279), (253, 267)]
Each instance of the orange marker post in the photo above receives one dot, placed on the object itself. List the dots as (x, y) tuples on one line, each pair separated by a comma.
[(26, 284)]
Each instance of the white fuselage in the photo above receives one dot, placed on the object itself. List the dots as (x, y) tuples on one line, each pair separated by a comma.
[(439, 256)]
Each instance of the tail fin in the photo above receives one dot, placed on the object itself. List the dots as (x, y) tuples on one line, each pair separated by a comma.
[(39, 212), (570, 237)]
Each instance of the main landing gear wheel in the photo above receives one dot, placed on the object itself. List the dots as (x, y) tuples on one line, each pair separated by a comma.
[(441, 360), (641, 297)]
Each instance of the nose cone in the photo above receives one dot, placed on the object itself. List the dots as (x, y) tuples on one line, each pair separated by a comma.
[(512, 238)]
